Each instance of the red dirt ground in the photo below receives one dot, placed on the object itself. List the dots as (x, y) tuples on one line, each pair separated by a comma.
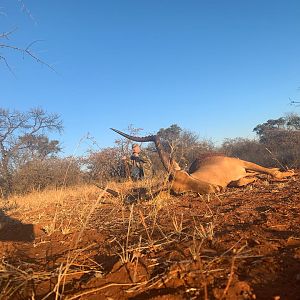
[(242, 244)]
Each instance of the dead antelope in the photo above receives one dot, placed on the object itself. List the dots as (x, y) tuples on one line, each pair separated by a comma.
[(210, 175)]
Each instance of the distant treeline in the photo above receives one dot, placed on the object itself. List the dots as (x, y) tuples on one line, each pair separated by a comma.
[(29, 160)]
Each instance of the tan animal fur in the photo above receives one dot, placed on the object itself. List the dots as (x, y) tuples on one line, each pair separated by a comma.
[(211, 174)]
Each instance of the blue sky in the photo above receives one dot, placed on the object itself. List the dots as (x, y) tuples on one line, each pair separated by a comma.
[(217, 68)]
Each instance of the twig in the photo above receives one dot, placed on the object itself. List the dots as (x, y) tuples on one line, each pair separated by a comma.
[(229, 279), (25, 51), (274, 158)]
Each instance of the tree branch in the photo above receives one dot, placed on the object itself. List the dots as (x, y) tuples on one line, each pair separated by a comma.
[(25, 51)]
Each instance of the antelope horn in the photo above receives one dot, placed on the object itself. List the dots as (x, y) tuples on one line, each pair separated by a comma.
[(169, 164)]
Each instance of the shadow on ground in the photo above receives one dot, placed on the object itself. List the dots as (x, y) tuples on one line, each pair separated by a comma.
[(13, 230)]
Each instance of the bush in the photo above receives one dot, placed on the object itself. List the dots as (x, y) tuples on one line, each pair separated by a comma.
[(52, 172), (104, 165), (250, 150)]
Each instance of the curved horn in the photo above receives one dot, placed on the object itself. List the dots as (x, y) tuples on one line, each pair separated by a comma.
[(169, 164), (149, 138)]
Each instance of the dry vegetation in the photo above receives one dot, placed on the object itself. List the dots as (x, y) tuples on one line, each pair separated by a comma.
[(81, 243), (67, 239)]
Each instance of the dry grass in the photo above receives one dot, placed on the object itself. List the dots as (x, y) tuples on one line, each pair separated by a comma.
[(53, 209), (68, 211), (134, 234)]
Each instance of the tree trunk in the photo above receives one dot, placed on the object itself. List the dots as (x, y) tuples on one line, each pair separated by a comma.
[(6, 175)]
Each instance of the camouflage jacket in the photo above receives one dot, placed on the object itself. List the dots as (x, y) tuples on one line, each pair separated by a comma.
[(143, 164)]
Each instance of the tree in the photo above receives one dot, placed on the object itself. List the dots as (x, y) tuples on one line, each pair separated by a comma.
[(104, 165), (51, 172), (22, 137), (184, 145), (171, 135), (36, 147), (289, 123), (281, 137), (247, 149)]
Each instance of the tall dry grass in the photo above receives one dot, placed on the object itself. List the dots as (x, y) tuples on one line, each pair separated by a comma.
[(135, 230)]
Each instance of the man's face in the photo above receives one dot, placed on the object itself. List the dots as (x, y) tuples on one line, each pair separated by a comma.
[(136, 149)]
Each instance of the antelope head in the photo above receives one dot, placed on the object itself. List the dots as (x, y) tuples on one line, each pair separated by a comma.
[(180, 181)]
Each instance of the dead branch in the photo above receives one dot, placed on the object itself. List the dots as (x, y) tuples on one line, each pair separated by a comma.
[(25, 51)]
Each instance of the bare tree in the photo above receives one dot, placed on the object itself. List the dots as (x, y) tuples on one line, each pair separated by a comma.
[(104, 165), (16, 130), (184, 145)]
